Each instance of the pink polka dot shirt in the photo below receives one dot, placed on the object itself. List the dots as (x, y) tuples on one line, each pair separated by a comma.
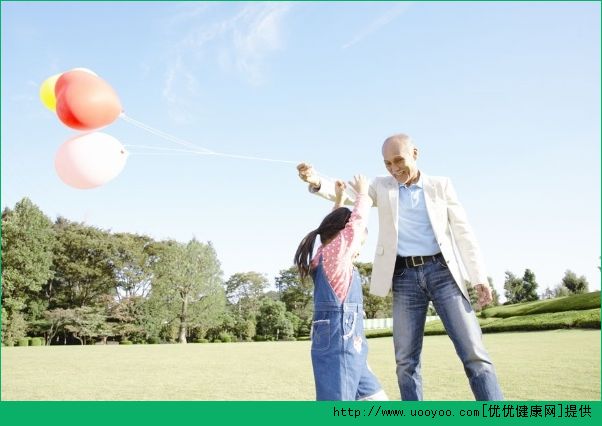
[(339, 253)]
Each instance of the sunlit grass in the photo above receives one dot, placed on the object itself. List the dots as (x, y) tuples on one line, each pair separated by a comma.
[(550, 365)]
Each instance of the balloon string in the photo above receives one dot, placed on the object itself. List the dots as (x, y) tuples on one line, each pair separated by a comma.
[(217, 154), (197, 149), (162, 134)]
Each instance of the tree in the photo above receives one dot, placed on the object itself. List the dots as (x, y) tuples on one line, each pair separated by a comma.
[(561, 291), (573, 284), (472, 295), (547, 294), (133, 258), (495, 296), (529, 286), (519, 290), (55, 322), (27, 246), (127, 316), (374, 306), (272, 321), (130, 310), (84, 266), (188, 281), (86, 323), (297, 295), (512, 288), (244, 291), (245, 286)]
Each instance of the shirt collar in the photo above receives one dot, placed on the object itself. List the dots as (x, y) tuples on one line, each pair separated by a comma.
[(418, 184)]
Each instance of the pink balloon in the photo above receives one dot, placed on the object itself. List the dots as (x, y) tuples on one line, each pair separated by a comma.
[(90, 160)]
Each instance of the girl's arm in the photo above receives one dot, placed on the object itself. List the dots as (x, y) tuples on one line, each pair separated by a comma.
[(338, 254), (339, 191)]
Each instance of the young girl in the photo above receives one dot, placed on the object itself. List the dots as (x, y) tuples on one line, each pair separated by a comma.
[(339, 349)]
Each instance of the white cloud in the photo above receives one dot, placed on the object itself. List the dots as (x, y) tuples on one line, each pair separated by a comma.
[(379, 23), (240, 43), (257, 35)]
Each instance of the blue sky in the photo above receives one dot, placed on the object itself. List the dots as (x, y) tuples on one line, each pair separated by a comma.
[(502, 97)]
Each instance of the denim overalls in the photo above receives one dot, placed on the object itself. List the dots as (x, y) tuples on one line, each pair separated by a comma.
[(339, 349)]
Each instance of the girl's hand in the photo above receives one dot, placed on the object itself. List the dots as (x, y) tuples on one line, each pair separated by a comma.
[(360, 184), (339, 190)]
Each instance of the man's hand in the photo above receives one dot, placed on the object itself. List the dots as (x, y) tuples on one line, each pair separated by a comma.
[(484, 295), (308, 174)]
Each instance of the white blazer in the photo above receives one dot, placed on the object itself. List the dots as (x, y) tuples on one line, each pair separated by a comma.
[(450, 225)]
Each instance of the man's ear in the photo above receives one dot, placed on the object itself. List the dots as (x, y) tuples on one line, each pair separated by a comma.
[(415, 153)]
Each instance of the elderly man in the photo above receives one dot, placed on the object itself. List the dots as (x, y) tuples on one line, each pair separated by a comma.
[(415, 256)]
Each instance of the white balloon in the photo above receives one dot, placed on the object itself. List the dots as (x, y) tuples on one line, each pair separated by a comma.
[(90, 160)]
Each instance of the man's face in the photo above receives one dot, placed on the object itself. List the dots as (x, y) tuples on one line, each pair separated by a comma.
[(400, 160)]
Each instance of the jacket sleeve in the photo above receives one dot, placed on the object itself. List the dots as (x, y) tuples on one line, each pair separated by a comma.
[(327, 191), (464, 237)]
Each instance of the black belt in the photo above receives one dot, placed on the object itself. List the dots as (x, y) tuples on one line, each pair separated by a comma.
[(414, 261)]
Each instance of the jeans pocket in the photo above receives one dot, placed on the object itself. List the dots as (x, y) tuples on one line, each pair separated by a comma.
[(349, 321), (442, 263), (320, 335), (399, 272)]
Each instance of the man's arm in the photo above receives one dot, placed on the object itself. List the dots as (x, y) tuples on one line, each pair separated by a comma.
[(467, 245), (325, 188)]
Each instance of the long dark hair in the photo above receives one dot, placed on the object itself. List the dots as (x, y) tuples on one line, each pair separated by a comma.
[(329, 228)]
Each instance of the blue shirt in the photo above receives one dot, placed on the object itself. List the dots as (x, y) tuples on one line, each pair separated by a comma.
[(415, 236)]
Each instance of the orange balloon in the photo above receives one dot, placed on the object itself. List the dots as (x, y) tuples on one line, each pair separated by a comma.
[(85, 101)]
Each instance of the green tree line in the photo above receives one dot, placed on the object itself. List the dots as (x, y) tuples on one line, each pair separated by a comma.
[(72, 283)]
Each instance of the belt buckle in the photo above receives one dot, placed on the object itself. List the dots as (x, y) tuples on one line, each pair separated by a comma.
[(414, 264)]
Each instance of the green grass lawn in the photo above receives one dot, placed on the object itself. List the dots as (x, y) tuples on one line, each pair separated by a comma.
[(548, 365)]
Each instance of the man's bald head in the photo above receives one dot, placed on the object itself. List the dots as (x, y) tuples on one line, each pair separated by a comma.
[(401, 141)]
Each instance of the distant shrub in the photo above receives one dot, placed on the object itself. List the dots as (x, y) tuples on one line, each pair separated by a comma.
[(201, 341), (379, 333), (36, 341), (23, 341), (153, 340), (225, 337), (537, 322), (584, 301), (126, 342)]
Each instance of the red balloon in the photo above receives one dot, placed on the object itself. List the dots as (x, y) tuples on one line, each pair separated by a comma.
[(85, 101)]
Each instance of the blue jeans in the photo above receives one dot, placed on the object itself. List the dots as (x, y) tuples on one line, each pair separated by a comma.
[(412, 290)]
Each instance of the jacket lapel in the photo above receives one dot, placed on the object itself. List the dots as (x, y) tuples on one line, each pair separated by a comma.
[(429, 199), (393, 188)]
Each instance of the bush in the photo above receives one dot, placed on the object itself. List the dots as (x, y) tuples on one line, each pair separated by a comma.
[(36, 341), (126, 342), (570, 319), (201, 341), (538, 322), (379, 333), (584, 301), (153, 340), (24, 341), (225, 337)]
